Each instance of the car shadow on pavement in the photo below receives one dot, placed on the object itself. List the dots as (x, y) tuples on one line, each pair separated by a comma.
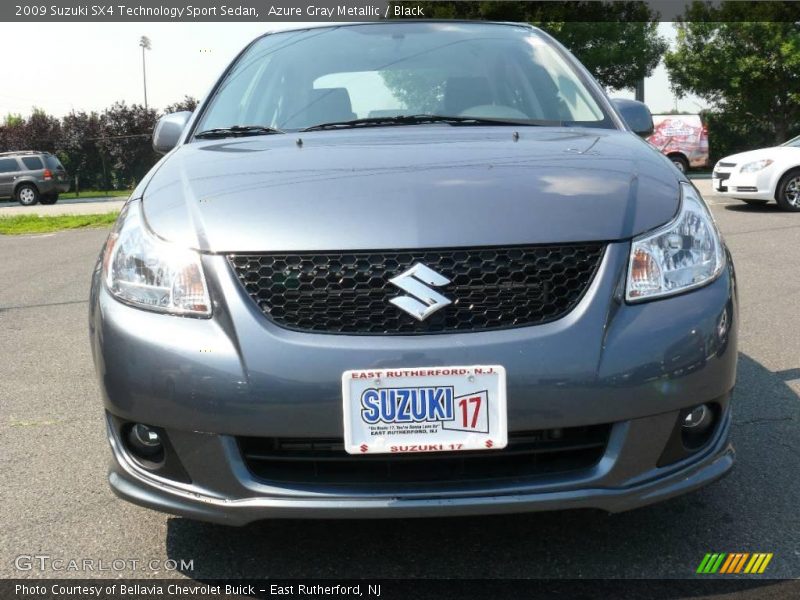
[(769, 207), (751, 510)]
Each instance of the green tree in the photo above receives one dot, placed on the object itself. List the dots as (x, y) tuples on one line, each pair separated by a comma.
[(748, 70), (617, 41), (42, 131), (13, 120), (188, 103), (126, 140), (12, 133), (79, 151), (104, 150)]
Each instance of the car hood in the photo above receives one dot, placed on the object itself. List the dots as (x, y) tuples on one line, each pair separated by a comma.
[(410, 187), (774, 152)]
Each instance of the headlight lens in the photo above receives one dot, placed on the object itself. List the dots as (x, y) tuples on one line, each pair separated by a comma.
[(682, 255), (149, 273), (752, 167)]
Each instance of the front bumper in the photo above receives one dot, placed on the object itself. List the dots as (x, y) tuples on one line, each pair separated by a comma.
[(656, 485), (207, 381), (130, 483), (732, 183)]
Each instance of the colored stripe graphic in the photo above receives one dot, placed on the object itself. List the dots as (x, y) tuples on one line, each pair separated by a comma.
[(718, 564), (764, 564), (734, 563), (741, 563), (737, 566), (727, 564), (711, 563), (703, 563), (734, 558), (757, 558)]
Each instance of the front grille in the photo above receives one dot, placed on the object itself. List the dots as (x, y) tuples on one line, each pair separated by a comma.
[(726, 164), (529, 454), (349, 292)]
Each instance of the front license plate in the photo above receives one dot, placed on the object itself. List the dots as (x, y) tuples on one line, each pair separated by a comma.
[(424, 409)]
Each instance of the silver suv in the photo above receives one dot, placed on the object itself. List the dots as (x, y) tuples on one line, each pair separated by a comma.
[(31, 177)]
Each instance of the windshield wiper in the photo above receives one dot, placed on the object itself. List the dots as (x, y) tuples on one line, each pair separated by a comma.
[(423, 119), (237, 131)]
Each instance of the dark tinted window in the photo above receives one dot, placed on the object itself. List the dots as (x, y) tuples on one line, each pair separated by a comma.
[(8, 165), (53, 162), (34, 163)]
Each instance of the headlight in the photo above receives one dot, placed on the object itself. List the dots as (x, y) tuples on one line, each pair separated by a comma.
[(752, 167), (149, 273), (682, 255)]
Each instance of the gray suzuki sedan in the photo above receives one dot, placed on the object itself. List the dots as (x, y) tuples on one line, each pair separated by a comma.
[(409, 269)]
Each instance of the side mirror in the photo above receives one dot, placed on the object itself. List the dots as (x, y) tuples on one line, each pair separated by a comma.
[(168, 130), (636, 115)]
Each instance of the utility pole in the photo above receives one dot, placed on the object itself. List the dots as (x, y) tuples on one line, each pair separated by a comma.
[(640, 90), (144, 42)]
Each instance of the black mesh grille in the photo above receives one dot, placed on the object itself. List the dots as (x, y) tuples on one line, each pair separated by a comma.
[(529, 454), (490, 288)]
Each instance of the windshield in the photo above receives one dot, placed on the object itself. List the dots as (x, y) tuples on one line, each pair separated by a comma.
[(299, 79), (793, 142)]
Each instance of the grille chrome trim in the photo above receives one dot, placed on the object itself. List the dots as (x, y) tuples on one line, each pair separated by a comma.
[(490, 288)]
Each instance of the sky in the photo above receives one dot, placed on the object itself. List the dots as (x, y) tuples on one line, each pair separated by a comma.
[(89, 66)]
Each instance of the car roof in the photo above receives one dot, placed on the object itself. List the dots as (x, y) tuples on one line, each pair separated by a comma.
[(301, 27), (22, 153)]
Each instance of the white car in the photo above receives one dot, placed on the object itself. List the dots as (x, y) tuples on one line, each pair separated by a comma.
[(758, 176)]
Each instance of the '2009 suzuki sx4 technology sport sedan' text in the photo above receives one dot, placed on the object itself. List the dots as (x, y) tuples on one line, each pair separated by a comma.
[(408, 269)]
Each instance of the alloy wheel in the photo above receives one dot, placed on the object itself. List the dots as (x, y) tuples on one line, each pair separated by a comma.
[(791, 192)]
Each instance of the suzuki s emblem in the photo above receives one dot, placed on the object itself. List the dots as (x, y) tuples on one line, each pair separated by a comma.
[(422, 301)]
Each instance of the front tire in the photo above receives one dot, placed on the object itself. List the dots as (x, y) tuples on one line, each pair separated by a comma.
[(27, 194), (49, 199), (680, 162), (788, 192)]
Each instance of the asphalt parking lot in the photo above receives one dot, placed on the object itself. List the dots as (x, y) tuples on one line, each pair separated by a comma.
[(54, 499)]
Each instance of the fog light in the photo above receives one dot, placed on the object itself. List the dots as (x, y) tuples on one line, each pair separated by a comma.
[(145, 441), (698, 419), (149, 448), (693, 430)]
